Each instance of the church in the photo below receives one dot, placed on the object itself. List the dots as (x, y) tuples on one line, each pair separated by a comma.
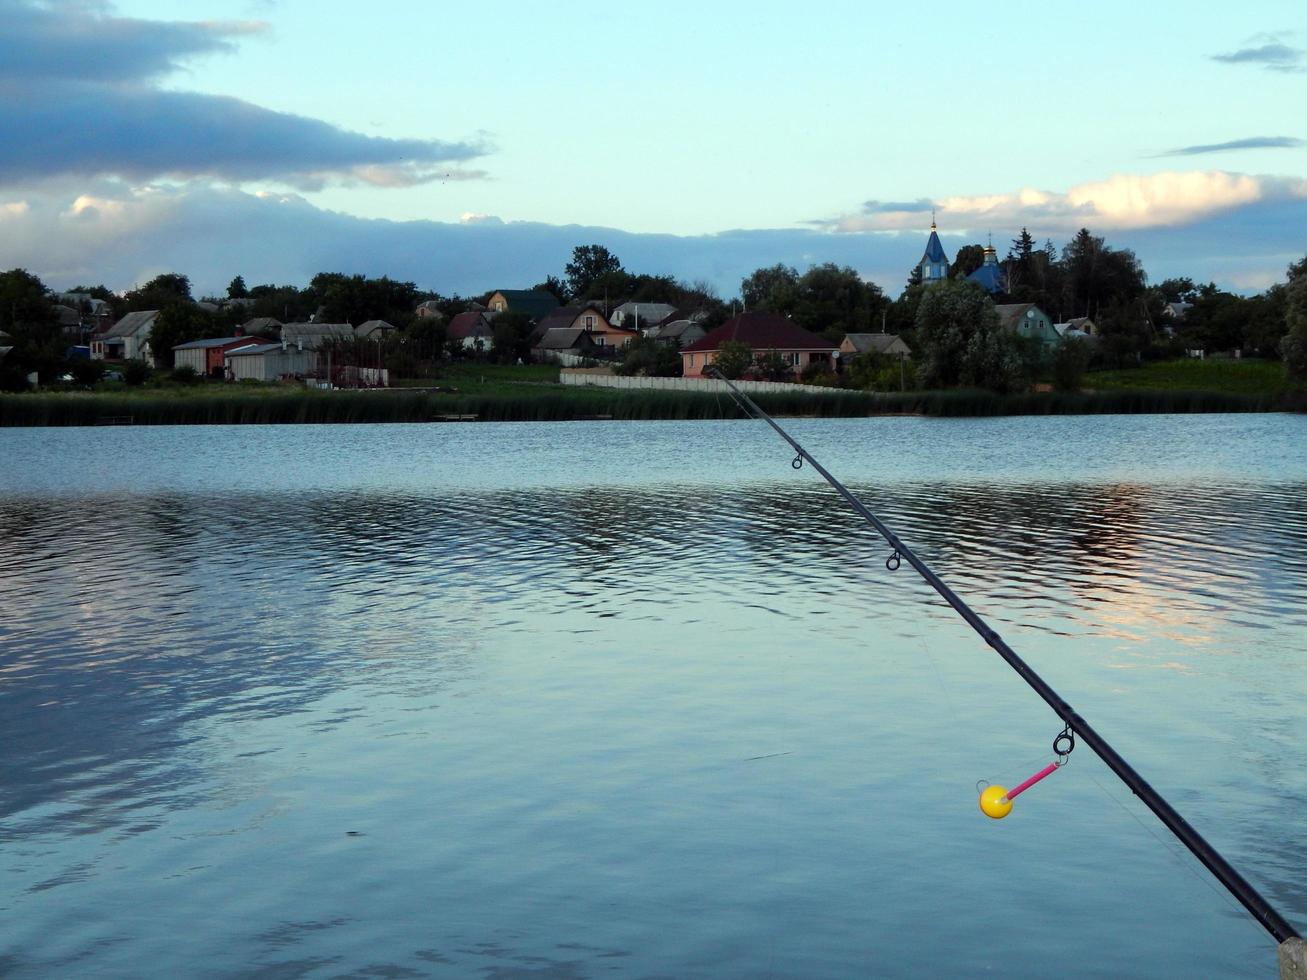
[(934, 265)]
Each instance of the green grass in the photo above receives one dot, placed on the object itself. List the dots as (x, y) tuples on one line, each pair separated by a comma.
[(1241, 377), (530, 393)]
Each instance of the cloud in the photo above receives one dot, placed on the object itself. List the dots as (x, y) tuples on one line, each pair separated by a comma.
[(75, 40), (1250, 143), (103, 232), (1117, 203), (1274, 55), (79, 96), (920, 205)]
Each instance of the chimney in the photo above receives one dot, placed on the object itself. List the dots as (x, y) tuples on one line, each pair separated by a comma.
[(240, 332)]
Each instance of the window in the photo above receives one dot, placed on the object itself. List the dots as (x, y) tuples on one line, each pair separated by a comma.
[(589, 322), (691, 360)]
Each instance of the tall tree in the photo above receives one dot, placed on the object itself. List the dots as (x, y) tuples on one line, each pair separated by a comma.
[(1096, 275), (961, 342), (774, 289), (589, 265), (27, 317), (236, 288), (968, 259), (1294, 345), (161, 291)]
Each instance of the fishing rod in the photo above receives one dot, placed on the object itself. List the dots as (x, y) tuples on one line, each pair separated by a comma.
[(1076, 726)]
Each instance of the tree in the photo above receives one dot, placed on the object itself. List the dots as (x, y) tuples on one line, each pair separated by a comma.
[(1070, 361), (357, 299), (553, 284), (774, 366), (1097, 275), (236, 289), (1178, 290), (511, 333), (733, 358), (1293, 348), (179, 323), (961, 341), (834, 300), (161, 291), (590, 263), (774, 289), (646, 356), (27, 316), (968, 260)]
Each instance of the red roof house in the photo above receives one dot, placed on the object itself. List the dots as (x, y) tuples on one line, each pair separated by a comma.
[(764, 332)]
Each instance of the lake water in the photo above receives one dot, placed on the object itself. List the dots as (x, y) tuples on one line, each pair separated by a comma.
[(641, 700)]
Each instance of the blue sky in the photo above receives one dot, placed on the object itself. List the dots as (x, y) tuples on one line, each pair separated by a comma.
[(466, 146)]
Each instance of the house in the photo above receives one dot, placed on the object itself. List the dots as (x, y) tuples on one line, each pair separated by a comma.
[(640, 316), (70, 320), (99, 311), (1176, 310), (535, 303), (208, 357), (429, 310), (892, 344), (309, 336), (1081, 327), (269, 325), (1028, 320), (374, 329), (127, 339), (268, 362), (677, 333), (990, 274), (764, 332), (589, 318), (473, 329), (567, 345), (934, 263)]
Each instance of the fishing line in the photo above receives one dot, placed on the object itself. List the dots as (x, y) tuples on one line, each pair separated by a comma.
[(1076, 726), (1169, 847)]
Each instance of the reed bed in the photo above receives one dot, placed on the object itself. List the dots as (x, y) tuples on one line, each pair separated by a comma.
[(546, 403)]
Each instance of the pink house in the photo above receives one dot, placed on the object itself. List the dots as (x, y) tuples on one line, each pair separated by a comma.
[(764, 332)]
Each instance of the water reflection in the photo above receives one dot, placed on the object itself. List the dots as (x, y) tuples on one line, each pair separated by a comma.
[(145, 637)]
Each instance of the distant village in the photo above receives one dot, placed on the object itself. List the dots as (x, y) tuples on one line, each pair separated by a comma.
[(684, 340)]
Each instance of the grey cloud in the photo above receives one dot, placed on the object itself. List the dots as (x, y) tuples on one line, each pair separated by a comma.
[(78, 98), (884, 207), (77, 41), (1251, 143), (214, 234), (1275, 56)]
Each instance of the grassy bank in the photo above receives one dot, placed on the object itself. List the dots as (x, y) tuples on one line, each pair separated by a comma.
[(1241, 377), (543, 402)]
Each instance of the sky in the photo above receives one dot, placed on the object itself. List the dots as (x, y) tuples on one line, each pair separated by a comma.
[(467, 147)]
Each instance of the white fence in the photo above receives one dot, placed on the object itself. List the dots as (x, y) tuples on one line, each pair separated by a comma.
[(689, 384)]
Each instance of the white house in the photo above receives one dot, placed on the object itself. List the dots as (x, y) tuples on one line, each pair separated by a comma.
[(127, 339)]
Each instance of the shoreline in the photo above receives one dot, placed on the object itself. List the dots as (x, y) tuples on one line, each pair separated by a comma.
[(538, 403)]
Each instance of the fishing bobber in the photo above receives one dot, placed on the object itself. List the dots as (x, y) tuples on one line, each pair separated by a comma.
[(996, 802)]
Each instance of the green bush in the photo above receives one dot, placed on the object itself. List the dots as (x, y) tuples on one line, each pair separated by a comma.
[(1070, 361), (136, 372), (86, 373)]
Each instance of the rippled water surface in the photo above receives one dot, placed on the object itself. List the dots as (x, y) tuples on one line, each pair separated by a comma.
[(640, 700)]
